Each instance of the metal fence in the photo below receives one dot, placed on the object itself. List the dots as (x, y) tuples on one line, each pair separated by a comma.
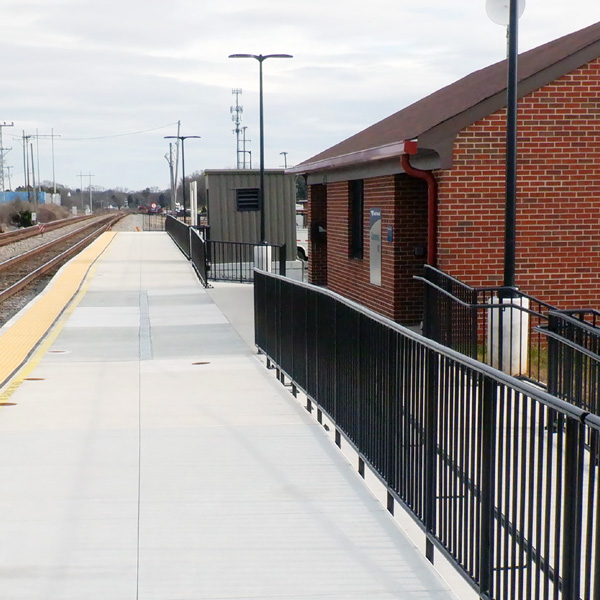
[(574, 357), (235, 261), (153, 222), (502, 476), (225, 261), (180, 233), (198, 256), (499, 326), (558, 349)]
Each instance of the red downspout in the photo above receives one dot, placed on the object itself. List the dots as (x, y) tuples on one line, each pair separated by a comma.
[(411, 148)]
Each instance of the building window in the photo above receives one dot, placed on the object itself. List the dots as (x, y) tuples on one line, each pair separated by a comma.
[(246, 199), (356, 218)]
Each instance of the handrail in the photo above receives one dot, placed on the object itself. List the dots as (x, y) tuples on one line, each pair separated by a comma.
[(519, 385), (498, 472)]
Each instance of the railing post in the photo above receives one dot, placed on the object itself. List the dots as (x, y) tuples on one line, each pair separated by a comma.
[(553, 364), (488, 483), (428, 310), (282, 255), (430, 426), (474, 324), (573, 498)]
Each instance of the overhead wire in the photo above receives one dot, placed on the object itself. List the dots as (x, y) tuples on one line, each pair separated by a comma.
[(104, 137)]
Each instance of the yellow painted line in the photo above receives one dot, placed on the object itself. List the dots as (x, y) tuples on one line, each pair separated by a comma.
[(20, 339)]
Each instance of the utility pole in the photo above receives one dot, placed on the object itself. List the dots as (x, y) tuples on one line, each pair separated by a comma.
[(182, 138), (53, 173), (91, 205), (51, 136), (236, 117), (8, 168), (37, 148), (81, 176), (26, 164), (176, 176), (2, 149), (35, 198), (169, 159), (284, 159)]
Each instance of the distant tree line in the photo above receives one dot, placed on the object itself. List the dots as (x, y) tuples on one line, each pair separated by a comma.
[(118, 197)]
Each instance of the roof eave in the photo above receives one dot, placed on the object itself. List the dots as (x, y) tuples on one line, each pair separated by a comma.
[(346, 160)]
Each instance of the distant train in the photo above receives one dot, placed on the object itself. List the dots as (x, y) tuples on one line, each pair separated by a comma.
[(152, 209)]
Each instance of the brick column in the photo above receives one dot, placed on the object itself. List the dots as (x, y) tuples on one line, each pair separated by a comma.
[(317, 219)]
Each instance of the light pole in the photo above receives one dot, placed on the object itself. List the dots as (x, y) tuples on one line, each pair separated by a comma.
[(182, 138), (261, 192), (507, 13), (511, 149)]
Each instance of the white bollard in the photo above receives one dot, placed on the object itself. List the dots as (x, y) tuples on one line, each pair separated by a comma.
[(262, 258), (509, 326)]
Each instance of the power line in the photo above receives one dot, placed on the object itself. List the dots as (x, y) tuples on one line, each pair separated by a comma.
[(105, 137)]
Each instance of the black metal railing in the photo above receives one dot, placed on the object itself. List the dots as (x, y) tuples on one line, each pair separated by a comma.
[(180, 233), (574, 357), (235, 261), (499, 326), (224, 261), (153, 222), (198, 256), (502, 476)]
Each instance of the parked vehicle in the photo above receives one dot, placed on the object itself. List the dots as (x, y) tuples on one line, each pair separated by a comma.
[(302, 231)]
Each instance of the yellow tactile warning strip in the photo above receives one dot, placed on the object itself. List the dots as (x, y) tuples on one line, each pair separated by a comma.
[(19, 340)]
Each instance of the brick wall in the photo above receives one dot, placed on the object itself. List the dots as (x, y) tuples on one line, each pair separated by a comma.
[(317, 216), (558, 209), (411, 238), (403, 202), (558, 195)]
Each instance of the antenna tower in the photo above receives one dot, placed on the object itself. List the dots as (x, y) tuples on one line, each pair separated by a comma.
[(236, 117)]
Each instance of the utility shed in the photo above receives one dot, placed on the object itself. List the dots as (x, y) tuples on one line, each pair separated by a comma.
[(232, 197)]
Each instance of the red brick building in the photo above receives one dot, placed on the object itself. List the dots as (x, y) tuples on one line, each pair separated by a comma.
[(444, 204)]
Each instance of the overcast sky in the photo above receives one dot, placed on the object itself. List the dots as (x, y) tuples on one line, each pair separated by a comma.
[(97, 73)]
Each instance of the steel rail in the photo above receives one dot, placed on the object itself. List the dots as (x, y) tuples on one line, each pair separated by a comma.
[(11, 262), (9, 237), (43, 269)]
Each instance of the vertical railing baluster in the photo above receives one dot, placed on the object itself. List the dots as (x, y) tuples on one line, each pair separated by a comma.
[(487, 521), (430, 470), (572, 519)]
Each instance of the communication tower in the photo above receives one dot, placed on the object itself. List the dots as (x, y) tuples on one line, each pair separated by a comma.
[(236, 117)]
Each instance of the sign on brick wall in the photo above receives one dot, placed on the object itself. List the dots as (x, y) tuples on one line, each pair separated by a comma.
[(375, 245)]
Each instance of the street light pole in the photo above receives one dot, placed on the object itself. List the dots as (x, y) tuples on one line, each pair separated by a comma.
[(511, 149), (261, 192), (182, 138), (507, 13)]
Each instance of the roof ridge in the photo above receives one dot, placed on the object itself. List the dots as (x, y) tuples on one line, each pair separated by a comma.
[(460, 96)]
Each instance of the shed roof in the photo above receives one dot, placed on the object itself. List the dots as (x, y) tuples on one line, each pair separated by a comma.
[(437, 118)]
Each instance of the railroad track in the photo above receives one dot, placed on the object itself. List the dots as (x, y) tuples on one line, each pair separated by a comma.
[(10, 237), (24, 275)]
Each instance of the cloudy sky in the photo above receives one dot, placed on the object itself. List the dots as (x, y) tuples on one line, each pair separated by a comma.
[(113, 77)]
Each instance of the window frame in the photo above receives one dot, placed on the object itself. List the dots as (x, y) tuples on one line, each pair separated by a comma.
[(356, 226)]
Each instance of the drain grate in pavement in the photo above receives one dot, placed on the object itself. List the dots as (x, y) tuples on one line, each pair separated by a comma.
[(201, 363), (34, 379), (8, 403)]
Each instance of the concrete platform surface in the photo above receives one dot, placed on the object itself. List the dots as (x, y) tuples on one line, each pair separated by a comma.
[(147, 454)]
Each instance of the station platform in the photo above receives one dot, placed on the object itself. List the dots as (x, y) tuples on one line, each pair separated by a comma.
[(146, 453)]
